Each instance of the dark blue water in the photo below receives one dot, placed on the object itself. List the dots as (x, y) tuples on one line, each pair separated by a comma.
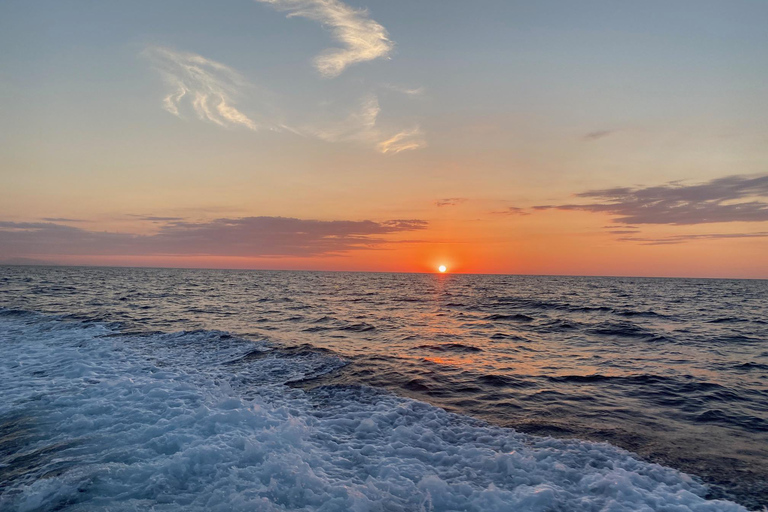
[(673, 370)]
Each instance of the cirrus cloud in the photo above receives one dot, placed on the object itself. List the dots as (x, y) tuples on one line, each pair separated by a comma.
[(363, 39), (679, 239), (450, 201), (403, 141), (205, 86), (511, 210), (362, 125)]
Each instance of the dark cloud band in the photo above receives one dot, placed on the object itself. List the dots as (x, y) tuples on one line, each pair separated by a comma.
[(729, 199), (246, 237)]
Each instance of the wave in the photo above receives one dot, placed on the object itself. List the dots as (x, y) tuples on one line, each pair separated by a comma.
[(358, 327), (624, 330), (450, 347), (679, 385), (546, 305), (633, 313), (748, 366), (726, 320), (517, 317), (571, 308), (506, 336), (597, 377), (730, 419), (502, 381), (203, 420)]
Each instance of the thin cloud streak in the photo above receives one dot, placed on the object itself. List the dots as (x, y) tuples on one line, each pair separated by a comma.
[(599, 134), (358, 125), (153, 218), (679, 239), (62, 219), (362, 125), (205, 86), (511, 210), (243, 237), (414, 91), (403, 141), (450, 201), (363, 38)]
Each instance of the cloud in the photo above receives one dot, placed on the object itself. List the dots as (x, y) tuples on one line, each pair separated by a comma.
[(599, 134), (208, 89), (512, 210), (408, 91), (154, 218), (359, 124), (363, 38), (246, 237), (362, 125), (62, 219), (403, 141), (204, 86), (729, 199), (450, 201), (678, 239), (405, 224)]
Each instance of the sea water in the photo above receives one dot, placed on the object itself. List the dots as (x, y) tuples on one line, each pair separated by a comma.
[(136, 389)]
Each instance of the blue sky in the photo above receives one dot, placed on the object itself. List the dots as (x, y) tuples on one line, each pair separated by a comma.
[(353, 111)]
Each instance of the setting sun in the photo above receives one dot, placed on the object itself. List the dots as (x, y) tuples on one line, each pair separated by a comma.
[(442, 268)]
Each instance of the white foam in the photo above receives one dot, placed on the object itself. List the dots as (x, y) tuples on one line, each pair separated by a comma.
[(136, 423)]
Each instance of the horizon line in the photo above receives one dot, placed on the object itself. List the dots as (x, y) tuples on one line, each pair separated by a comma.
[(47, 264)]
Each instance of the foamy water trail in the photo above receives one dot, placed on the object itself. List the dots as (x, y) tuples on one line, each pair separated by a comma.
[(94, 419)]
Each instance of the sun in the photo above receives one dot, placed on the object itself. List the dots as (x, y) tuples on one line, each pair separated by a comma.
[(442, 268)]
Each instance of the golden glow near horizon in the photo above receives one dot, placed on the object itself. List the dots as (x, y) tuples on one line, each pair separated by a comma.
[(442, 268)]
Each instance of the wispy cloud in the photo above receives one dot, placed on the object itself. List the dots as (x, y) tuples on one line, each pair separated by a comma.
[(403, 141), (450, 201), (363, 38), (204, 86), (62, 219), (408, 91), (247, 237), (208, 89), (729, 199), (154, 218), (359, 124), (511, 210), (598, 134), (362, 125), (679, 239), (405, 224)]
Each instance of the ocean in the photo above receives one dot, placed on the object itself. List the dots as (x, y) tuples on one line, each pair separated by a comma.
[(173, 389)]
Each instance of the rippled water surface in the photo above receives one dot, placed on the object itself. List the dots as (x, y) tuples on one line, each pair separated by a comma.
[(674, 370)]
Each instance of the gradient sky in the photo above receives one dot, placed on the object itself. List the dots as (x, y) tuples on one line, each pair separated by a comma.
[(550, 137)]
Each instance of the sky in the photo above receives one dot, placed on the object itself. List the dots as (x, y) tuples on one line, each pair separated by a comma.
[(597, 137)]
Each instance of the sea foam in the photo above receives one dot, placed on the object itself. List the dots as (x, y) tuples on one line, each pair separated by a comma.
[(92, 419)]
